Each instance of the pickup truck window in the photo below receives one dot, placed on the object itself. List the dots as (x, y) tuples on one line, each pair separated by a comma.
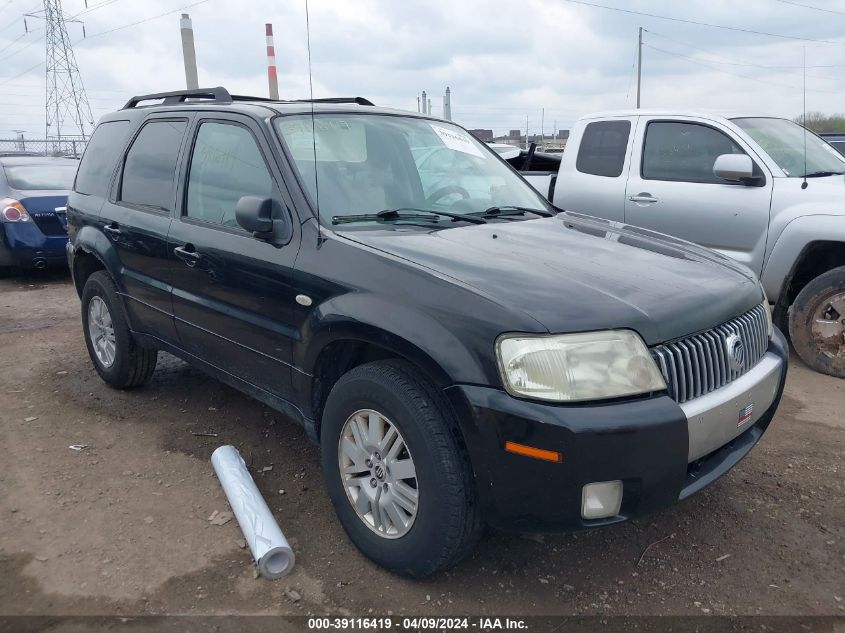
[(370, 163), (603, 146), (226, 164), (681, 151), (783, 140), (149, 173)]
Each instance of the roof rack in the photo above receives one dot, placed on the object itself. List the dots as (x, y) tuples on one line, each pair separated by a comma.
[(221, 95), (218, 95), (359, 100)]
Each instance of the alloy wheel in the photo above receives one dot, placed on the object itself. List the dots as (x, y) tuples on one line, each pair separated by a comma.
[(378, 473), (101, 331)]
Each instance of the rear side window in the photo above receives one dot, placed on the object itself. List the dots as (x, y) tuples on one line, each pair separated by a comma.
[(684, 152), (101, 156), (226, 165), (149, 173), (602, 149)]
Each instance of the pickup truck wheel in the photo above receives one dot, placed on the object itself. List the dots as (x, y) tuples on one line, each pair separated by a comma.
[(817, 323), (119, 360), (396, 471)]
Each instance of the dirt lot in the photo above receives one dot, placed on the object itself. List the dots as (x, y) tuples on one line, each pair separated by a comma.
[(121, 528)]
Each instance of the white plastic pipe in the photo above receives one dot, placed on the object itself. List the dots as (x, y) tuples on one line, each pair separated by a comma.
[(268, 545)]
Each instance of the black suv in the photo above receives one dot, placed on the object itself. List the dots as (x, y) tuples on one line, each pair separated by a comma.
[(462, 352)]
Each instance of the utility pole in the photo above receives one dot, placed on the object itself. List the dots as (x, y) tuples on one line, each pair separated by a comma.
[(542, 126), (526, 131), (639, 66), (67, 104)]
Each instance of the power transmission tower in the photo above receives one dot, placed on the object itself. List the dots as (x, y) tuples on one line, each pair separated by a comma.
[(68, 112)]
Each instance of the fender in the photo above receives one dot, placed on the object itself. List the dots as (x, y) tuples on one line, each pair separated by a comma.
[(787, 249), (93, 242), (406, 331)]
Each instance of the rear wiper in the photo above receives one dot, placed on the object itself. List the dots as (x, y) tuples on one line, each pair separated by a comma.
[(821, 174), (387, 215), (493, 212)]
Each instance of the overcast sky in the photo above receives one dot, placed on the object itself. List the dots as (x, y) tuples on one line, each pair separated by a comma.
[(504, 60)]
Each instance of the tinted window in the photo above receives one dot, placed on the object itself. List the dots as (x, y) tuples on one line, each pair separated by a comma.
[(101, 157), (55, 176), (149, 173), (226, 165), (840, 145), (602, 150), (684, 151)]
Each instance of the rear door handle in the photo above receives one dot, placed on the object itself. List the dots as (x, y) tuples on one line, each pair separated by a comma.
[(643, 198), (190, 257), (112, 230)]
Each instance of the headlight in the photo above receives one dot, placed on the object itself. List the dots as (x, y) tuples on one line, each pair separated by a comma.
[(572, 367)]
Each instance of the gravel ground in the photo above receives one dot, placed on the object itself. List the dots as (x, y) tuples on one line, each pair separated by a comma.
[(121, 527)]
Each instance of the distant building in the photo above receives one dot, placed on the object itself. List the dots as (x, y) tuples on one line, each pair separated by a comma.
[(482, 135), (563, 134), (515, 134)]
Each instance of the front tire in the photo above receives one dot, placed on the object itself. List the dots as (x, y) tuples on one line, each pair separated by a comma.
[(817, 323), (119, 360), (396, 470)]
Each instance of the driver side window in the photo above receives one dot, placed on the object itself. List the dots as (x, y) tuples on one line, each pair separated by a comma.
[(226, 164), (681, 151)]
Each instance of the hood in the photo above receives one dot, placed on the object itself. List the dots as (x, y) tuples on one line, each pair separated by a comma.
[(576, 273), (823, 196)]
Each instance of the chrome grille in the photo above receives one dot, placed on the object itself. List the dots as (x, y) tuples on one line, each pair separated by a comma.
[(699, 364)]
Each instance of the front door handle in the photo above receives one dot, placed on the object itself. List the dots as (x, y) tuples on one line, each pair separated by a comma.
[(187, 254), (112, 229), (643, 197)]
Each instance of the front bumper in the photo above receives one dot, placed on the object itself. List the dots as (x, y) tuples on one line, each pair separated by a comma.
[(662, 451), (22, 244)]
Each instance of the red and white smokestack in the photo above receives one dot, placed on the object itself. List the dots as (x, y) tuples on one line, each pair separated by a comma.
[(272, 79)]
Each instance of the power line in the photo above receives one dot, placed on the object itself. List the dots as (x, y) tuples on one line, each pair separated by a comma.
[(6, 80), (733, 62), (155, 17), (707, 24), (749, 77), (808, 6)]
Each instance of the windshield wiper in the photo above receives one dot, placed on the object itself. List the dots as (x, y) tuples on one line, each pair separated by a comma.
[(821, 174), (387, 215), (493, 212), (468, 217)]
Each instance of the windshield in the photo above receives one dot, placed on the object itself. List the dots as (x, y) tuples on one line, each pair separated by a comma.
[(783, 140), (44, 176), (368, 163)]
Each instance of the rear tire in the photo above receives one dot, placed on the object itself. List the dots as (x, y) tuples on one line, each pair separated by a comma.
[(817, 323), (446, 523), (119, 360)]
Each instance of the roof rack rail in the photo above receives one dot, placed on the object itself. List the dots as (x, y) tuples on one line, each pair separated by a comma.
[(218, 95), (359, 100)]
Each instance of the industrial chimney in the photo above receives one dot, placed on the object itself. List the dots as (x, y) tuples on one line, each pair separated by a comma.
[(272, 79), (424, 103), (188, 53), (447, 104)]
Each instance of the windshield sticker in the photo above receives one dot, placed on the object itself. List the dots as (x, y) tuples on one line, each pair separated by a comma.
[(456, 139)]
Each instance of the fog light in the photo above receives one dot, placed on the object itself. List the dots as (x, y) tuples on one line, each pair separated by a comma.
[(601, 499)]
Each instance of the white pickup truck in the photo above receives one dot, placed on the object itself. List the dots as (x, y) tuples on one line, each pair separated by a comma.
[(742, 185)]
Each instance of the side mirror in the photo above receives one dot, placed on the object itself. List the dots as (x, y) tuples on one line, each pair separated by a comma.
[(255, 215), (734, 167)]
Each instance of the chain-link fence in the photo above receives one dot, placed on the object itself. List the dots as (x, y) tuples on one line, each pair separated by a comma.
[(71, 148)]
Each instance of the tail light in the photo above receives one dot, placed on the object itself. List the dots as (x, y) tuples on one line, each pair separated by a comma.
[(13, 211)]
